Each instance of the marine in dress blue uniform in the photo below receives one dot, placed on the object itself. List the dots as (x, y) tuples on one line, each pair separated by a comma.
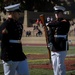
[(59, 40), (12, 56)]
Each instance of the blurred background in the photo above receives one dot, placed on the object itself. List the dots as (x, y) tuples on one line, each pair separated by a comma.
[(33, 39)]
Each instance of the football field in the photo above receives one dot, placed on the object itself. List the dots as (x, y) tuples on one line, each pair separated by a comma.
[(39, 63)]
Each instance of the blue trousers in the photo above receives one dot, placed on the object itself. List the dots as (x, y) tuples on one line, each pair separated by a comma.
[(16, 68)]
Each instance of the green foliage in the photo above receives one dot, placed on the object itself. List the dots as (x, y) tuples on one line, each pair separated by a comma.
[(40, 5), (1, 5)]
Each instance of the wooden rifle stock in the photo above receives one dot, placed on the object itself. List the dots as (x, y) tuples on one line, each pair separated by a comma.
[(42, 18)]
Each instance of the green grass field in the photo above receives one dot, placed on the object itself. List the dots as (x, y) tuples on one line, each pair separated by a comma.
[(40, 50)]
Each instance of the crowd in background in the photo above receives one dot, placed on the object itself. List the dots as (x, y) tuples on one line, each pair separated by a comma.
[(37, 26)]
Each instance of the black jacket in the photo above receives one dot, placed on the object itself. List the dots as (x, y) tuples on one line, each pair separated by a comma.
[(61, 27), (12, 51)]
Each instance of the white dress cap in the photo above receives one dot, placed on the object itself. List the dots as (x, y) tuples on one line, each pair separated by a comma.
[(56, 8), (12, 7)]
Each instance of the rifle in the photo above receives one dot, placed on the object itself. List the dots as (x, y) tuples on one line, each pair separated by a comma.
[(42, 18)]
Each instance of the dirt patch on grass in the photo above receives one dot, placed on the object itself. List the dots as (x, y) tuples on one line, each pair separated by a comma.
[(69, 62)]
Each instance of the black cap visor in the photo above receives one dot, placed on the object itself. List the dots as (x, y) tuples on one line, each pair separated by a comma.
[(17, 10), (57, 11)]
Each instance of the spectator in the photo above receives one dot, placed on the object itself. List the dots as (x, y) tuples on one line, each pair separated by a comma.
[(39, 33), (28, 33)]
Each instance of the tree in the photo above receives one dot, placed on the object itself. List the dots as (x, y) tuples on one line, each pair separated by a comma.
[(39, 5)]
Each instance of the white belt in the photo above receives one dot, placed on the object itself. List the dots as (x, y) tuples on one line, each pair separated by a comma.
[(15, 41), (60, 36)]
